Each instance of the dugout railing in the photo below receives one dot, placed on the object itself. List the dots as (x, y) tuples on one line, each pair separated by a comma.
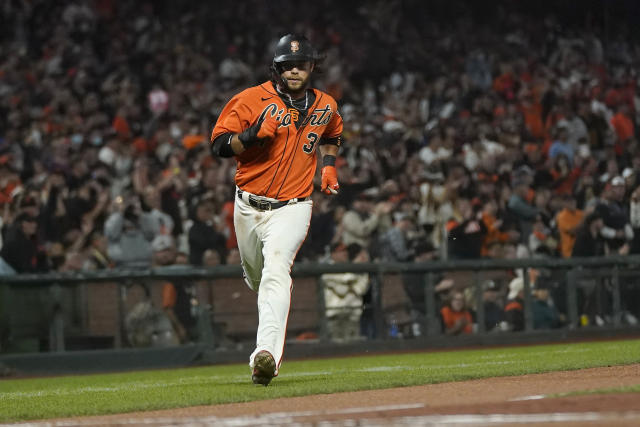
[(22, 297)]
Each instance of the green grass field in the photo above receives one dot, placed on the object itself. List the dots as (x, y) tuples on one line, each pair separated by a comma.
[(40, 398)]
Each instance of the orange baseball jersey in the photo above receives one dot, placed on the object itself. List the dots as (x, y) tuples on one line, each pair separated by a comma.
[(282, 168)]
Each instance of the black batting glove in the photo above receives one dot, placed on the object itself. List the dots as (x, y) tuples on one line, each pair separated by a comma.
[(262, 131), (249, 137)]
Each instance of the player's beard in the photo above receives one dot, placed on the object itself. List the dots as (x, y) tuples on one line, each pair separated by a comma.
[(298, 88)]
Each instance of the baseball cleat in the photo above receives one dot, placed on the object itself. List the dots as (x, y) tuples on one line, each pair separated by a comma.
[(264, 368)]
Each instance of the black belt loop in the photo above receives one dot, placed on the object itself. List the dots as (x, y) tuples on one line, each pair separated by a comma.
[(266, 205)]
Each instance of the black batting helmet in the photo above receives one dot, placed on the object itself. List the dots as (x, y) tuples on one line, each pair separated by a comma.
[(294, 47)]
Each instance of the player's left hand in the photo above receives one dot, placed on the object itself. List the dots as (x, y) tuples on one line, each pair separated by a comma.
[(329, 180), (268, 128), (261, 132)]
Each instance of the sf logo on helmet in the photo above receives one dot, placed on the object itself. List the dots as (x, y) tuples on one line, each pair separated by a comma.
[(295, 46)]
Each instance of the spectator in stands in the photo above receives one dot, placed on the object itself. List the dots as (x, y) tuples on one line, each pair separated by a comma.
[(151, 203), (467, 235), (172, 182), (233, 257), (618, 235), (456, 318), (324, 228), (493, 310), (343, 293), (523, 211), (97, 257), (394, 243), (541, 240), (514, 309), (211, 258), (177, 296), (365, 219), (203, 234), (129, 233), (563, 175), (545, 314), (414, 286), (561, 145), (588, 237), (21, 248), (611, 170), (568, 221), (434, 202), (623, 126), (589, 243), (632, 180), (577, 131), (495, 234), (56, 221), (616, 230)]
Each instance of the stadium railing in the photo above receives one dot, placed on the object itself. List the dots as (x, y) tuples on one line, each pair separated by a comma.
[(22, 297)]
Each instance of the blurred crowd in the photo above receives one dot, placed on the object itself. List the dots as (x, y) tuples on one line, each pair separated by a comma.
[(469, 138)]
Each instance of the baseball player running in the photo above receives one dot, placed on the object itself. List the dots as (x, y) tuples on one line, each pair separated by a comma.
[(273, 130)]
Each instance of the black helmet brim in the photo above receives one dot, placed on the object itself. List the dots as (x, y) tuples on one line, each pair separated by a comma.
[(292, 57)]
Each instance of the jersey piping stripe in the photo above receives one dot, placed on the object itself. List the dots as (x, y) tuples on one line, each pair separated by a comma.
[(284, 150), (267, 90), (295, 150)]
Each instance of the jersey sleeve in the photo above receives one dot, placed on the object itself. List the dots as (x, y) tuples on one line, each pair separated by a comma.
[(334, 128), (234, 118)]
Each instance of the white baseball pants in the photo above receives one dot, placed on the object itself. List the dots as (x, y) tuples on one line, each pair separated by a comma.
[(268, 242)]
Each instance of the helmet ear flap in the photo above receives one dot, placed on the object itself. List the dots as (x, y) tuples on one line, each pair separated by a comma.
[(276, 75)]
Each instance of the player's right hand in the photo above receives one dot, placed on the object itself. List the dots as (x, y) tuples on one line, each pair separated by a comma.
[(329, 180), (261, 131)]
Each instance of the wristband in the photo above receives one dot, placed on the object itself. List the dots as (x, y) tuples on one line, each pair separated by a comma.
[(328, 160)]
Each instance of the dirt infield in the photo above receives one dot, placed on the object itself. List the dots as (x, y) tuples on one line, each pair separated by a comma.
[(506, 400)]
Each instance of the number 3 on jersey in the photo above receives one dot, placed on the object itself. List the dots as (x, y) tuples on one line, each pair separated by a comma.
[(309, 146)]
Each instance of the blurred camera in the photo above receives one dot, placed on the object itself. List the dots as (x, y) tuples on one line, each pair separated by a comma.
[(130, 213)]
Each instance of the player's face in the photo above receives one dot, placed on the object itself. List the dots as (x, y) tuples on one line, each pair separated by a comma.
[(296, 74)]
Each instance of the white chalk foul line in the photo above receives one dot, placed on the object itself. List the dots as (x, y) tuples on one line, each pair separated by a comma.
[(128, 386), (532, 397), (282, 418), (432, 367), (293, 419), (525, 419)]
